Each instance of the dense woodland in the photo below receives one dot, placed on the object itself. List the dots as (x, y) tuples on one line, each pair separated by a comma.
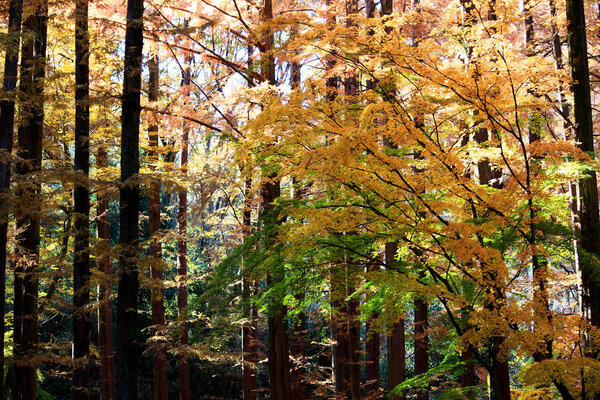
[(298, 199)]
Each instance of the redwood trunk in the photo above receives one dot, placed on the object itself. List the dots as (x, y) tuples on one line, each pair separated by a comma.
[(298, 335), (128, 346), (351, 91), (279, 363), (105, 348), (159, 357), (249, 289), (33, 52), (396, 339), (249, 329), (81, 266), (372, 354), (184, 367), (421, 344), (7, 117), (339, 333), (589, 221)]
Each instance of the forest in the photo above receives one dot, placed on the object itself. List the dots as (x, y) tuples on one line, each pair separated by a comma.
[(299, 199)]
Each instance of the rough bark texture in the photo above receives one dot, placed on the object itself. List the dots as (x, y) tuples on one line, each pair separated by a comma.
[(81, 266), (105, 347), (589, 221), (7, 118), (128, 347), (396, 339), (159, 356), (372, 354), (33, 66), (298, 350), (279, 363), (351, 91), (298, 327), (249, 329), (184, 367), (421, 343)]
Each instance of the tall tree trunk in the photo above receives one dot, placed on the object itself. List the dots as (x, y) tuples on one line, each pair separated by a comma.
[(396, 339), (589, 220), (81, 265), (184, 367), (33, 69), (372, 337), (128, 347), (249, 329), (372, 354), (351, 92), (159, 357), (105, 347), (421, 343), (7, 118), (339, 332), (298, 335), (279, 363)]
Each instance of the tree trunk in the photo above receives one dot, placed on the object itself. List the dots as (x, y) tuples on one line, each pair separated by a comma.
[(279, 363), (159, 358), (372, 354), (33, 68), (249, 329), (351, 91), (81, 265), (7, 118), (298, 350), (128, 347), (589, 221), (339, 333), (184, 367), (396, 339), (298, 341), (105, 348), (421, 344), (353, 333)]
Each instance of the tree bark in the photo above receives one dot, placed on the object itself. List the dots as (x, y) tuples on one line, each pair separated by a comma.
[(249, 329), (298, 335), (351, 91), (159, 357), (421, 344), (279, 363), (128, 346), (33, 69), (184, 367), (7, 118), (81, 265), (105, 347), (396, 339), (589, 221), (372, 354)]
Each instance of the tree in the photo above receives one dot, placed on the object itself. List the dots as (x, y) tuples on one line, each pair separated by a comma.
[(158, 308), (33, 53), (588, 224), (7, 116), (184, 369), (128, 346), (81, 266), (105, 343)]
